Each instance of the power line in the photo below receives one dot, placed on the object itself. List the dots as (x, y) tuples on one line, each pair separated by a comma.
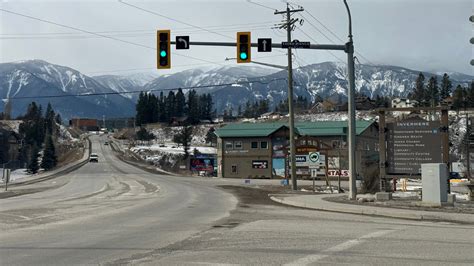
[(138, 91), (333, 34), (217, 27), (98, 34), (124, 35), (172, 19), (175, 66), (258, 4), (339, 59)]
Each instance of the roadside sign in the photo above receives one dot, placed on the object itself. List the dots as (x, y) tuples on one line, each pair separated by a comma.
[(314, 157), (264, 44), (301, 160), (316, 160), (296, 44), (182, 42)]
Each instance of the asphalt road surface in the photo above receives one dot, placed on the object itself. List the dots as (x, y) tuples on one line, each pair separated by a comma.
[(111, 213)]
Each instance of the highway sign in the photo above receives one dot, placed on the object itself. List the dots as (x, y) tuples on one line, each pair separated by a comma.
[(182, 42), (295, 44), (265, 45)]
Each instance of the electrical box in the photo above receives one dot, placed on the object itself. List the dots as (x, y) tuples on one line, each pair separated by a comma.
[(434, 179)]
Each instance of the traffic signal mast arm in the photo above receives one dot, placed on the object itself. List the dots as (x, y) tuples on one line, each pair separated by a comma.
[(274, 45)]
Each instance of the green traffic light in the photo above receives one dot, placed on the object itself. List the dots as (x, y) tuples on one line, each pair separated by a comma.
[(163, 53), (243, 56)]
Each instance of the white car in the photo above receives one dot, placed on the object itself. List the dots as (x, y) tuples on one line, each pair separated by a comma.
[(94, 158)]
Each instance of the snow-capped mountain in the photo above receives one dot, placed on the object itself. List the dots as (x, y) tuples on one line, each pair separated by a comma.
[(23, 82), (326, 80), (230, 86), (127, 83)]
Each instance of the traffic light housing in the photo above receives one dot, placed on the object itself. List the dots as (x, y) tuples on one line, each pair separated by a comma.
[(243, 47), (164, 44)]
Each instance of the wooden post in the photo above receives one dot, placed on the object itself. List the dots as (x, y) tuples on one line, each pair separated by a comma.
[(382, 149)]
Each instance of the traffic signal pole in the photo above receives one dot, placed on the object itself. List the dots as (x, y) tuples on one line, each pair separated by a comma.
[(349, 49), (274, 45)]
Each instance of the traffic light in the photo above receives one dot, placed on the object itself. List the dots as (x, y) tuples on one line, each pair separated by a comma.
[(164, 56), (243, 47)]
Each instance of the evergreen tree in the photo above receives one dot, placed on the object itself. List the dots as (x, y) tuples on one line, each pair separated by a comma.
[(143, 134), (459, 98), (470, 95), (33, 166), (211, 137), (170, 106), (162, 108), (419, 91), (239, 111), (184, 138), (180, 103), (49, 120), (140, 108), (432, 91), (49, 160), (58, 119), (193, 108), (446, 86)]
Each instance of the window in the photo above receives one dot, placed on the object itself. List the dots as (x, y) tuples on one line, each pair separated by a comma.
[(229, 145), (254, 145), (238, 145), (264, 145), (234, 169)]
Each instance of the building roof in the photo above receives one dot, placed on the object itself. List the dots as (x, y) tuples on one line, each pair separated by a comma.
[(318, 128)]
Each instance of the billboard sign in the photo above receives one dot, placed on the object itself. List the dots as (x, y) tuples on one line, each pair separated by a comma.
[(412, 142)]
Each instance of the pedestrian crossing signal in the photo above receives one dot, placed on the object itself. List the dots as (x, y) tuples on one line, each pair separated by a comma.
[(243, 47), (164, 56)]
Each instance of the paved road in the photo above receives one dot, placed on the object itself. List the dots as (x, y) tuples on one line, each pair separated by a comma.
[(104, 212), (111, 213)]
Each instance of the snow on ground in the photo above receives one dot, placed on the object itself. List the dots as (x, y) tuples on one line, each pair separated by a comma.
[(166, 134), (336, 116), (13, 125), (15, 175), (171, 149)]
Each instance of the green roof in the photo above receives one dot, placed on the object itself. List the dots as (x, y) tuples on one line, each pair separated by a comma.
[(318, 128)]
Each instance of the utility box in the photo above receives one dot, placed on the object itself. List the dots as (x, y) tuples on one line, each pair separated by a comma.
[(434, 179)]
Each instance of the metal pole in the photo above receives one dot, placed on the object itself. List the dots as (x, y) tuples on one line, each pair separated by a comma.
[(290, 104), (382, 150), (351, 109), (468, 132), (335, 47)]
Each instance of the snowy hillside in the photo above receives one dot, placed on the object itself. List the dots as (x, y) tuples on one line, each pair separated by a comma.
[(127, 83), (27, 81)]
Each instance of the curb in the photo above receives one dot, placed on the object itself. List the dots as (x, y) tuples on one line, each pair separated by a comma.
[(67, 169), (375, 212)]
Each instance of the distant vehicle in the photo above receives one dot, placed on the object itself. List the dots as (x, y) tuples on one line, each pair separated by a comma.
[(94, 158), (106, 143), (162, 145)]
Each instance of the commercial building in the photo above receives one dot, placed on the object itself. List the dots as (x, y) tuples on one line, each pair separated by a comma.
[(85, 124), (260, 150)]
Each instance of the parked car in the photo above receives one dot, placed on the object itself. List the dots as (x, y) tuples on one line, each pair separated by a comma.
[(106, 143), (94, 158)]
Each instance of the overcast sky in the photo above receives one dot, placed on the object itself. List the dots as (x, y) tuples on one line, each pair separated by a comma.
[(430, 35)]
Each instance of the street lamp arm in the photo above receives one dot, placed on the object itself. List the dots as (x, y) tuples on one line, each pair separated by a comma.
[(350, 20)]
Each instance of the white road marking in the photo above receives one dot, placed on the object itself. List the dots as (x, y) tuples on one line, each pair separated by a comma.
[(338, 248)]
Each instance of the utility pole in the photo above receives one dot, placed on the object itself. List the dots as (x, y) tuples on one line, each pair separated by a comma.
[(289, 26)]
